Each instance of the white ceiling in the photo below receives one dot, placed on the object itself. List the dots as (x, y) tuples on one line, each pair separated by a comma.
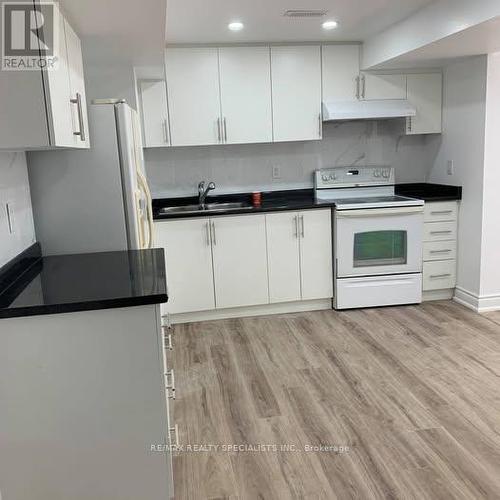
[(120, 30), (205, 21)]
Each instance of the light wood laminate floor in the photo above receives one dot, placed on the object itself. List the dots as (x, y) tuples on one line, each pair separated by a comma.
[(413, 392)]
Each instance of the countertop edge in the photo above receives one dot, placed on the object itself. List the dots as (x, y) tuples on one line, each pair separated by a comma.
[(97, 305)]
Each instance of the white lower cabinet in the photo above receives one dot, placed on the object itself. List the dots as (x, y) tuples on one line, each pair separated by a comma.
[(440, 246), (246, 260), (316, 254), (240, 261), (283, 257), (300, 255), (188, 256)]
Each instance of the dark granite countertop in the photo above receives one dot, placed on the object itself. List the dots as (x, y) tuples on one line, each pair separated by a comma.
[(296, 199), (33, 285), (430, 192), (272, 201)]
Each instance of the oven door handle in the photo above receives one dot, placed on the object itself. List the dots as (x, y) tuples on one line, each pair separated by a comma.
[(378, 212)]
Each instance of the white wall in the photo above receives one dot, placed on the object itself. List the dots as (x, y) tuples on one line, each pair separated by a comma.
[(14, 190), (490, 252), (235, 168), (464, 106)]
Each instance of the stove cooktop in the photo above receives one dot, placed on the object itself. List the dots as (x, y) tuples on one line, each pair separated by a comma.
[(373, 202)]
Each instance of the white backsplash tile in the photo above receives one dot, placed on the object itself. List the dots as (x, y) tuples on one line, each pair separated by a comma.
[(235, 168)]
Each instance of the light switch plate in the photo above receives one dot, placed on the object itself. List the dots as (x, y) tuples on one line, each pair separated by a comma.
[(276, 172)]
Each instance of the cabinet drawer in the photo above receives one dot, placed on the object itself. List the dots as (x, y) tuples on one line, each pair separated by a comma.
[(440, 231), (439, 275), (440, 250), (440, 211)]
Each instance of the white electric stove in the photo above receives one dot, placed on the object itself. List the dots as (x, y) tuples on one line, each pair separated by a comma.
[(377, 237)]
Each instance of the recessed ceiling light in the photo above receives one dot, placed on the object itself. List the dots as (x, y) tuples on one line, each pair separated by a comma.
[(330, 25), (235, 26)]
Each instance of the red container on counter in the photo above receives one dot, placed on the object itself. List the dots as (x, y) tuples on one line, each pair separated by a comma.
[(257, 198)]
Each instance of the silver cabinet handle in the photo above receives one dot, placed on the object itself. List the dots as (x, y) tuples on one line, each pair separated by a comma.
[(170, 386), (225, 129), (168, 342), (81, 125), (302, 234), (441, 212), (357, 88), (441, 251), (175, 430), (441, 232), (214, 238), (218, 130), (207, 227), (440, 275), (363, 87), (296, 226), (165, 131), (319, 125)]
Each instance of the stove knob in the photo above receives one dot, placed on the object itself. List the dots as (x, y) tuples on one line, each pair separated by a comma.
[(324, 178), (332, 177), (376, 173)]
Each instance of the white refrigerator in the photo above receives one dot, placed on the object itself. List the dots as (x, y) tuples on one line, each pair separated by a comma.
[(94, 200)]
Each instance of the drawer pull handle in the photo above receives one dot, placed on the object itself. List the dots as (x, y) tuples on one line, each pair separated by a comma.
[(175, 430), (441, 212), (441, 232), (170, 387), (441, 251), (434, 276)]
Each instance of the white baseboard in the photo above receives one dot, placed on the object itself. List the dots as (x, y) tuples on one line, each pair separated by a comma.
[(475, 302), (241, 312), (446, 294)]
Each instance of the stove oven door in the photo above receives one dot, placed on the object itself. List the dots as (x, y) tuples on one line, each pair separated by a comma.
[(378, 241)]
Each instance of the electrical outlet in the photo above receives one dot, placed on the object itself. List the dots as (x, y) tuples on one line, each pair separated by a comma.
[(450, 167), (276, 172)]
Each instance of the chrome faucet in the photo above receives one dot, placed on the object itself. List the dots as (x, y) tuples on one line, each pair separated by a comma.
[(203, 192)]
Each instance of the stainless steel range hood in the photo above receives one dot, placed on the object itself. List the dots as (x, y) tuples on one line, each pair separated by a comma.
[(367, 110)]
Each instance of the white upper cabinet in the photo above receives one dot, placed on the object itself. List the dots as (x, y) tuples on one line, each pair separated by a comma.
[(47, 108), (80, 122), (340, 72), (245, 88), (153, 96), (425, 93), (193, 96), (375, 86), (296, 92)]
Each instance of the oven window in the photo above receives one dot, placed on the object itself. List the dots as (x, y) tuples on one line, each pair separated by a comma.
[(380, 248)]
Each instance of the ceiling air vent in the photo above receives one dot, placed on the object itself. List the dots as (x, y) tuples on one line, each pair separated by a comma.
[(305, 13)]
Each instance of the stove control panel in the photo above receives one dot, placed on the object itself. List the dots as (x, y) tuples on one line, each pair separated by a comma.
[(336, 177)]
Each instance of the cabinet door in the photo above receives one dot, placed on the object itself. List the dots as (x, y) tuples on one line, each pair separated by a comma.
[(79, 117), (383, 86), (340, 70), (193, 96), (188, 260), (296, 92), (316, 254), (58, 96), (240, 261), (283, 256), (424, 92), (154, 113), (245, 84)]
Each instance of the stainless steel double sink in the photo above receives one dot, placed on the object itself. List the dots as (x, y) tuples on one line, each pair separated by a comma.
[(208, 207)]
